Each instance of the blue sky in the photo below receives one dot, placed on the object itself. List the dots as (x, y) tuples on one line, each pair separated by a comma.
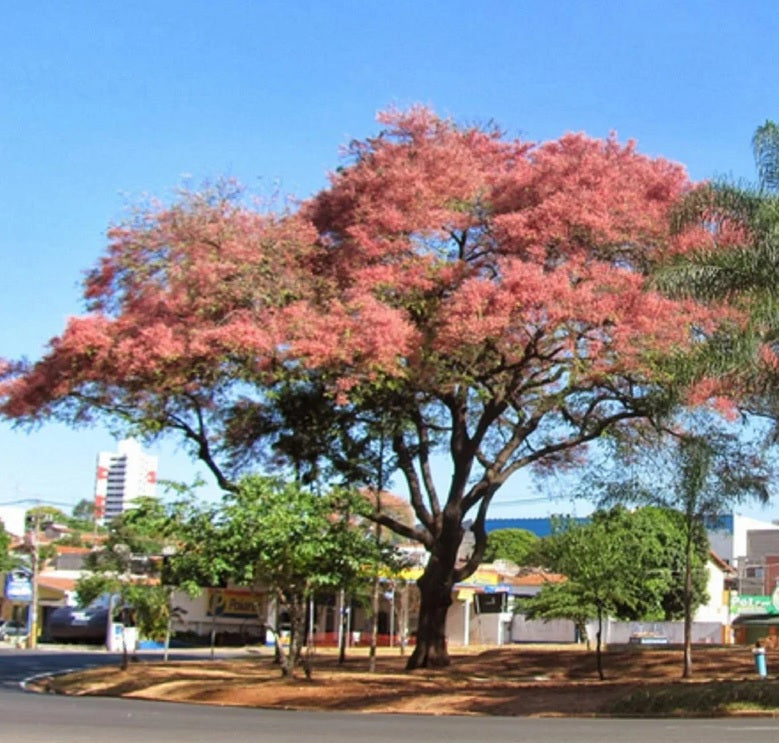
[(103, 102)]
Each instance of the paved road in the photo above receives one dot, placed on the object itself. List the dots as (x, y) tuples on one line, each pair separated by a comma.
[(17, 664), (32, 718)]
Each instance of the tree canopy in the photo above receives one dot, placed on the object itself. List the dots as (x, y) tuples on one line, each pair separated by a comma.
[(284, 538), (82, 515), (515, 545), (451, 290), (621, 564), (699, 468), (738, 263)]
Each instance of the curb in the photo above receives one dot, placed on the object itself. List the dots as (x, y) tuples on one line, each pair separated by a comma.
[(50, 674)]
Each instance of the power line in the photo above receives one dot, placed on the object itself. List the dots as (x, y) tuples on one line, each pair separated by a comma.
[(36, 501)]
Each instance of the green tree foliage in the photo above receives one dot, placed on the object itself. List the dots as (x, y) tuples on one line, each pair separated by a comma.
[(82, 515), (39, 515), (5, 545), (146, 604), (668, 526), (737, 264), (141, 532), (616, 565), (700, 469), (92, 586), (599, 577), (152, 609), (516, 545), (283, 537), (131, 562)]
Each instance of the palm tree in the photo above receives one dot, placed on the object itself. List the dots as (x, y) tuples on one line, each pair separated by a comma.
[(740, 267), (765, 146), (742, 218)]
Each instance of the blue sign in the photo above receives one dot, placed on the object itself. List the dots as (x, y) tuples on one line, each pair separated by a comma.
[(18, 586)]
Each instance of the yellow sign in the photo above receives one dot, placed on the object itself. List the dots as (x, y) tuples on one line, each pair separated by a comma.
[(483, 578), (226, 603)]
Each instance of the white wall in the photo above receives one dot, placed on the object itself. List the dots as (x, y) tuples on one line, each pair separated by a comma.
[(465, 627), (716, 610)]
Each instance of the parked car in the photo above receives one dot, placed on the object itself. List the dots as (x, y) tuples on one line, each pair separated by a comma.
[(11, 628), (84, 625)]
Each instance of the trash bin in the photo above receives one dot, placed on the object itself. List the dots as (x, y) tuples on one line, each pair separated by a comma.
[(760, 665)]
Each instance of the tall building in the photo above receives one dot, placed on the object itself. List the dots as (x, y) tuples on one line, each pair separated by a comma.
[(122, 477)]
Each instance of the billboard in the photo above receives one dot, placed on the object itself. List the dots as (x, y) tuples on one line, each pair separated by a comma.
[(18, 586)]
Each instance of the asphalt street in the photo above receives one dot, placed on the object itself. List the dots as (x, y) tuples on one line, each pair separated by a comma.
[(32, 718)]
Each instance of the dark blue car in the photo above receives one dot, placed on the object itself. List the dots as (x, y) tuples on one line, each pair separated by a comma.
[(84, 625)]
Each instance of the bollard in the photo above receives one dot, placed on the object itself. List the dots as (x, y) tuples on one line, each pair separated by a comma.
[(760, 665)]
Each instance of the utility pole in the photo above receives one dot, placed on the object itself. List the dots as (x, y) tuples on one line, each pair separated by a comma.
[(32, 635), (32, 541)]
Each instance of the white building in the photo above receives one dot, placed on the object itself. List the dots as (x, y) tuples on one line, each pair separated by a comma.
[(13, 519), (121, 477)]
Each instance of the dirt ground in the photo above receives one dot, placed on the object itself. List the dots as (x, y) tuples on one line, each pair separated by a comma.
[(515, 680)]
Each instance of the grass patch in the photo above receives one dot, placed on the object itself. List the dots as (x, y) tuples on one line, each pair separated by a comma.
[(704, 699)]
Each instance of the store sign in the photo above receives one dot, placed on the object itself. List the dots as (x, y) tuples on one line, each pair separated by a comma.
[(18, 586), (238, 604), (752, 605)]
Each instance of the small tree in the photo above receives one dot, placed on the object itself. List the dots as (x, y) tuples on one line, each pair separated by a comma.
[(700, 469), (153, 611), (594, 563), (44, 514), (284, 537), (148, 604), (614, 565), (135, 543), (82, 515), (516, 545)]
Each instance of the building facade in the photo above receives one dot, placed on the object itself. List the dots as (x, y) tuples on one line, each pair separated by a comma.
[(121, 477)]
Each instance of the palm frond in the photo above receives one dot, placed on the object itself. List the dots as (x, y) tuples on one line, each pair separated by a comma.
[(765, 146)]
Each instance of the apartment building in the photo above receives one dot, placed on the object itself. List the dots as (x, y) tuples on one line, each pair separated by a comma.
[(121, 477)]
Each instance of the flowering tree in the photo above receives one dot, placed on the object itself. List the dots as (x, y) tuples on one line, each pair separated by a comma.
[(452, 290)]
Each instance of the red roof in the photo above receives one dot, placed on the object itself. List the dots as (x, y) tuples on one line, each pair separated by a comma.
[(537, 579), (65, 549)]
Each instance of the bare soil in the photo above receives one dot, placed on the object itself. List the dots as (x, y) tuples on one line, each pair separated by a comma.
[(515, 680)]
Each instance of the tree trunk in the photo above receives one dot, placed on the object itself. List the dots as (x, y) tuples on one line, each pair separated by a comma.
[(598, 653), (213, 635), (167, 641), (687, 602), (345, 612), (435, 588), (581, 628), (375, 596), (403, 618), (297, 618)]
